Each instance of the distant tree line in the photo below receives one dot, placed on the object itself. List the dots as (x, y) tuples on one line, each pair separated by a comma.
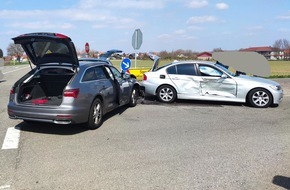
[(280, 45)]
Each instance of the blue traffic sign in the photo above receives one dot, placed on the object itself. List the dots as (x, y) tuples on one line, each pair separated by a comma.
[(125, 64)]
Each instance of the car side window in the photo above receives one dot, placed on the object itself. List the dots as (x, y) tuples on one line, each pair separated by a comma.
[(89, 75), (110, 73), (113, 73), (94, 73), (209, 71), (100, 74), (116, 73), (171, 70), (186, 69)]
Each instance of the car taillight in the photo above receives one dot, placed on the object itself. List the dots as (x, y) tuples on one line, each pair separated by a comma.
[(60, 35), (144, 77), (71, 93), (12, 91)]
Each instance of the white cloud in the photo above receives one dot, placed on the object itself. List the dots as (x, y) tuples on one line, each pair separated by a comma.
[(15, 14), (201, 19), (67, 15), (249, 34), (195, 28), (197, 3), (122, 4), (98, 26), (41, 25), (222, 6), (254, 28), (283, 17), (187, 37), (180, 32), (164, 37), (284, 30)]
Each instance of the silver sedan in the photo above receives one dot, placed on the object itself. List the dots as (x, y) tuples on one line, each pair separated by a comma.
[(204, 80)]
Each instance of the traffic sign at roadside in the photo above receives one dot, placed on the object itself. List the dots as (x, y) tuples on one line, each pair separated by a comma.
[(125, 64), (137, 39), (87, 47)]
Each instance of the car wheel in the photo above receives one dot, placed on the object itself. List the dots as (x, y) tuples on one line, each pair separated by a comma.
[(260, 98), (96, 114), (166, 94), (134, 97)]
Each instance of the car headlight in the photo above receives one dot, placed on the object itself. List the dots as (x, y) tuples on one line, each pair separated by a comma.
[(278, 87)]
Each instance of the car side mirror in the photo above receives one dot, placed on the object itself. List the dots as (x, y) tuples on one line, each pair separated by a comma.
[(126, 76), (224, 76)]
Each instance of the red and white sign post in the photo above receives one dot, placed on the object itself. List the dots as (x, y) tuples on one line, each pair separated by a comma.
[(87, 48)]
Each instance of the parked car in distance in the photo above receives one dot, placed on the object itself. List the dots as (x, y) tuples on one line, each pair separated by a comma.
[(104, 57), (204, 80), (61, 89)]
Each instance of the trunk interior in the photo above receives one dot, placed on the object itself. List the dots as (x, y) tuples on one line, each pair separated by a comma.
[(45, 87)]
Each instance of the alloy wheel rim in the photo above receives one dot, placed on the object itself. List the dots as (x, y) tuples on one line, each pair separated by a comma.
[(97, 113), (166, 94), (133, 96), (260, 98)]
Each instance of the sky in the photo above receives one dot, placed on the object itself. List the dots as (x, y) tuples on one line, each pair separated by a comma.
[(166, 25)]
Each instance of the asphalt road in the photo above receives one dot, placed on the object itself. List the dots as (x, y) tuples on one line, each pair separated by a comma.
[(185, 145)]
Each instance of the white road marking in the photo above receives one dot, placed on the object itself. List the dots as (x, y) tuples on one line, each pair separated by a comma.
[(5, 187), (15, 70), (11, 139)]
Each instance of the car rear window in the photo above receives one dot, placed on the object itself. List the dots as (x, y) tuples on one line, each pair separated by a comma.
[(46, 48)]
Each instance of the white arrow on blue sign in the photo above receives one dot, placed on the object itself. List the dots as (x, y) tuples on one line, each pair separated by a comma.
[(125, 64)]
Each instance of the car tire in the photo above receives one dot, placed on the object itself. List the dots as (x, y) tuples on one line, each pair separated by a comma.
[(134, 97), (260, 98), (166, 94), (96, 114)]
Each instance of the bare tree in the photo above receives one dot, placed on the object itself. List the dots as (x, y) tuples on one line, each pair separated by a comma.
[(165, 55), (217, 50), (15, 50), (1, 53), (286, 48), (278, 44), (282, 45), (285, 44)]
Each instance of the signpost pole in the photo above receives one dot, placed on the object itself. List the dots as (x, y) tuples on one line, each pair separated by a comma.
[(135, 58)]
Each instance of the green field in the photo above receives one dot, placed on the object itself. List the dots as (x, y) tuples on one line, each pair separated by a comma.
[(280, 68)]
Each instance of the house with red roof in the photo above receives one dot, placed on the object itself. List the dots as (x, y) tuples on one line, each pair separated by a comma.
[(269, 52), (266, 51), (204, 56)]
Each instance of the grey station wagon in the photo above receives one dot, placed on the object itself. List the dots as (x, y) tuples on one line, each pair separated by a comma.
[(61, 89)]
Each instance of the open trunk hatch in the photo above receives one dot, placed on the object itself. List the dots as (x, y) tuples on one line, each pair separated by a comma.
[(45, 48)]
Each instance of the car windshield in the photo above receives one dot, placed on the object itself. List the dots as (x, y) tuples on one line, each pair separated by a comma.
[(225, 69)]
